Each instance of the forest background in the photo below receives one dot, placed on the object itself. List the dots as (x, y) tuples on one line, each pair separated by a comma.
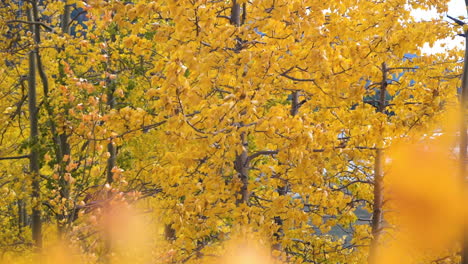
[(212, 131)]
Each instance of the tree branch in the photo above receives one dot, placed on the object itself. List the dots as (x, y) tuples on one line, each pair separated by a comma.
[(402, 68), (15, 157), (259, 153), (31, 23)]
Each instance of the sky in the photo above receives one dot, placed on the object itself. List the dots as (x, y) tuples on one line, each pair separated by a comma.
[(456, 8)]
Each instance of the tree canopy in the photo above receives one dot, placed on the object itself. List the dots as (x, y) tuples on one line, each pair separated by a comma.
[(266, 123)]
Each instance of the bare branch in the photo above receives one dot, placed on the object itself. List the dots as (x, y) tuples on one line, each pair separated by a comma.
[(226, 17), (260, 153), (458, 21), (285, 74), (15, 157), (31, 23), (402, 68)]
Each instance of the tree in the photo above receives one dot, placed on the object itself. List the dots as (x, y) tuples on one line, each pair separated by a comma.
[(225, 117)]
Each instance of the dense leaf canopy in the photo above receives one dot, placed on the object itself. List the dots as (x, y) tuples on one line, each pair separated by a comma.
[(215, 120)]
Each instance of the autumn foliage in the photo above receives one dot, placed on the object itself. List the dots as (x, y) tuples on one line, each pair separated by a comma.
[(283, 131)]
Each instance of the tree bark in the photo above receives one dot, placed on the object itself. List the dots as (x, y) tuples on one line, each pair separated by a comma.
[(235, 14), (36, 224), (62, 141), (65, 23), (241, 163), (22, 216), (110, 146), (282, 190), (242, 166), (295, 103), (377, 214)]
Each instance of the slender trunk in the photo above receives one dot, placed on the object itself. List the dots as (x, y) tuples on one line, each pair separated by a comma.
[(22, 217), (107, 236), (244, 170), (244, 13), (464, 142), (62, 138), (242, 166), (110, 146), (169, 232), (282, 190), (36, 224), (295, 103), (241, 163), (66, 18), (111, 160), (235, 13), (63, 183), (377, 214)]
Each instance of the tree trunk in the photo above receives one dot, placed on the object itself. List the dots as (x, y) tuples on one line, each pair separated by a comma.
[(36, 224), (241, 163), (111, 161), (110, 146), (66, 18), (242, 166), (283, 190), (22, 216), (377, 214), (235, 13), (62, 141)]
